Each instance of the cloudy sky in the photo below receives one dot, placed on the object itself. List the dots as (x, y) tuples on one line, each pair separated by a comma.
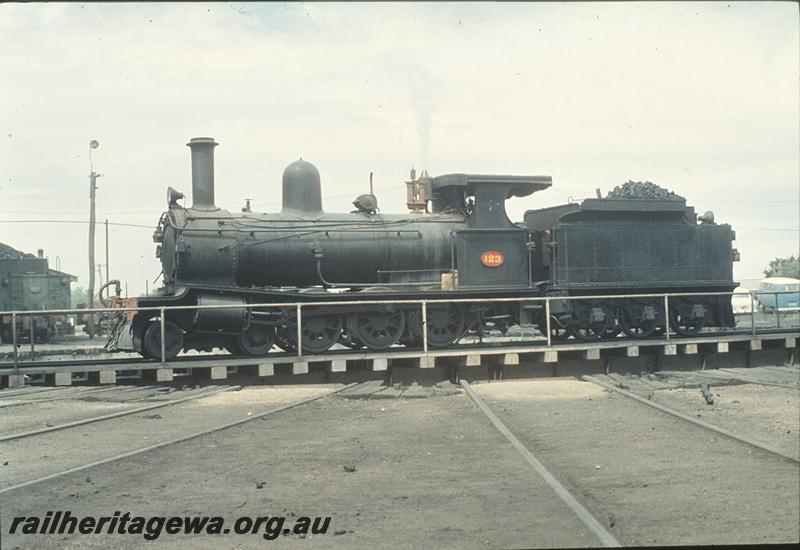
[(701, 98)]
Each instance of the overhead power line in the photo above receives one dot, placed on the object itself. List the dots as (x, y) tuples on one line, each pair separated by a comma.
[(759, 201), (796, 229), (119, 224)]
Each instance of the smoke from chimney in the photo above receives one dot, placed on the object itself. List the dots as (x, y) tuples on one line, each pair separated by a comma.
[(421, 87)]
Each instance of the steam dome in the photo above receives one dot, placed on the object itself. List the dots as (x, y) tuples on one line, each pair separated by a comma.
[(302, 193)]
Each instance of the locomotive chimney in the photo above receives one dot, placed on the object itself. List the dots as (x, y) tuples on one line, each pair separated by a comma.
[(202, 172)]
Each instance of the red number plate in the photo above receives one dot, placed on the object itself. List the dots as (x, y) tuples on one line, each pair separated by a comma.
[(492, 258)]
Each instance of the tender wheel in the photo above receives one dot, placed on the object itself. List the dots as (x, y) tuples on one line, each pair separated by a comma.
[(557, 332), (586, 326), (683, 322), (173, 340), (256, 340), (593, 331), (319, 332), (376, 329), (633, 323), (446, 324), (613, 331)]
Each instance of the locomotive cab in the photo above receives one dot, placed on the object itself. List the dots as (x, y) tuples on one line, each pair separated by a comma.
[(491, 251)]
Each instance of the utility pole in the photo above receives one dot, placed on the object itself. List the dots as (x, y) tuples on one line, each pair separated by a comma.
[(107, 277), (94, 144)]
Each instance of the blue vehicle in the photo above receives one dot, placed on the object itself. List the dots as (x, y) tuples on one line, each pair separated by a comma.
[(779, 294)]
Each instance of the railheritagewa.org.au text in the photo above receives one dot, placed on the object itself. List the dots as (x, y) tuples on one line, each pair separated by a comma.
[(152, 527)]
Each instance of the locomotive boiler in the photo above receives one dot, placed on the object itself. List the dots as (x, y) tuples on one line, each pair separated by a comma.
[(301, 246), (456, 242)]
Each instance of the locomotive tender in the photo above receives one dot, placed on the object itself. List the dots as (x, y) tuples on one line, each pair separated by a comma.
[(456, 243), (27, 283)]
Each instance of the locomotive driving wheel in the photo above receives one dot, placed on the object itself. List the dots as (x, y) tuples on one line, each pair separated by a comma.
[(256, 340), (376, 329), (446, 324), (151, 341), (319, 332)]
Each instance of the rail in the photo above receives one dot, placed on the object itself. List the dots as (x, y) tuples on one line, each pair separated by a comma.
[(422, 303)]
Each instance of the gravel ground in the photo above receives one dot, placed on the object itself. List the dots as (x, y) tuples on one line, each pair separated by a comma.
[(653, 479), (769, 414), (73, 447), (391, 474), (760, 402), (63, 405), (426, 472), (23, 418)]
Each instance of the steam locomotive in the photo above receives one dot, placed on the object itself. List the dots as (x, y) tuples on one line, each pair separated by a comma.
[(27, 283), (456, 242)]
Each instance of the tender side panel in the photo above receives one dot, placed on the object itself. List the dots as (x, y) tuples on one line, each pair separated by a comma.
[(642, 255)]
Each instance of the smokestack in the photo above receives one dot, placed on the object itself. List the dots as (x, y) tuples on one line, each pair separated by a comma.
[(40, 253), (203, 172)]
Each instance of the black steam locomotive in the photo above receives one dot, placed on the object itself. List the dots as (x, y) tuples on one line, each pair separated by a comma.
[(27, 283), (456, 243)]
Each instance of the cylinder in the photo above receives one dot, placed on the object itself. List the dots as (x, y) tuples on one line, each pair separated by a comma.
[(217, 319), (202, 172)]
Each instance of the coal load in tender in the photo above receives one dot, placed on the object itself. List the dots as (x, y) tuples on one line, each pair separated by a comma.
[(642, 190), (9, 253)]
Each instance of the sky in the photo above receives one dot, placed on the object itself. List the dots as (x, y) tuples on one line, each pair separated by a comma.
[(700, 98)]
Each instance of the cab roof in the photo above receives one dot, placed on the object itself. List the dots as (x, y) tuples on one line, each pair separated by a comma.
[(522, 186)]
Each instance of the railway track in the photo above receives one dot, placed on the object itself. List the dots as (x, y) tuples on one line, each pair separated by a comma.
[(695, 421), (590, 499), (353, 418), (160, 445), (586, 517), (10, 399), (199, 395), (590, 456)]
